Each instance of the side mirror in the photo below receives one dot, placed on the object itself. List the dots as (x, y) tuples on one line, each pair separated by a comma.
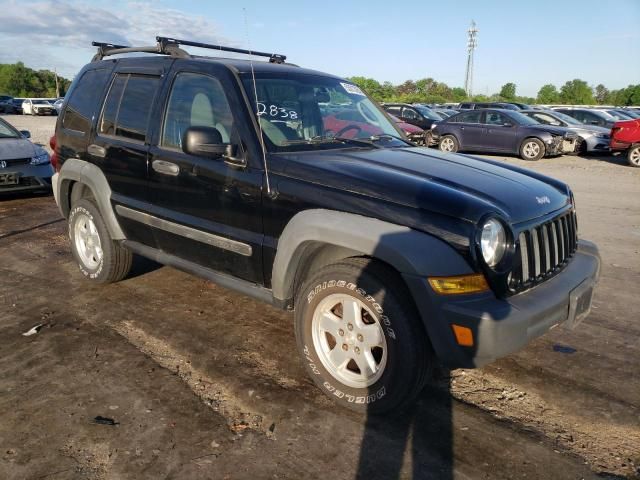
[(25, 133), (207, 142), (507, 124)]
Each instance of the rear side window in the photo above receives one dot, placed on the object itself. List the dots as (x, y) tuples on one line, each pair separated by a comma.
[(84, 99), (128, 106)]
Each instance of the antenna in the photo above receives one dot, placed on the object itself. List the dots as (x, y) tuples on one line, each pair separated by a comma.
[(255, 93), (472, 43)]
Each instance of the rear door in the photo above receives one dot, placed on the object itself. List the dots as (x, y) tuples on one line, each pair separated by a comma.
[(120, 144), (206, 210)]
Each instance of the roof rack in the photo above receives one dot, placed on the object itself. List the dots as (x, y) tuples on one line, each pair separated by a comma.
[(171, 46), (273, 57)]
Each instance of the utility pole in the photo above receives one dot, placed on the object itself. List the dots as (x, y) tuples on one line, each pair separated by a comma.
[(472, 43), (55, 72)]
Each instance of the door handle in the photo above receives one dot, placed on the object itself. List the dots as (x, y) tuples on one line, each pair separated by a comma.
[(97, 150), (165, 168)]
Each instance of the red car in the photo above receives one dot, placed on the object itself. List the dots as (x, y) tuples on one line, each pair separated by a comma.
[(626, 136), (413, 133)]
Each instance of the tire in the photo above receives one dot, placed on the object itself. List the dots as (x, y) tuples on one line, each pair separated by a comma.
[(532, 149), (633, 155), (449, 144), (100, 259), (384, 315)]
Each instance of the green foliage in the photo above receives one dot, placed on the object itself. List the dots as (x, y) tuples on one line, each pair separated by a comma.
[(601, 94), (20, 81), (548, 94), (576, 92), (508, 92)]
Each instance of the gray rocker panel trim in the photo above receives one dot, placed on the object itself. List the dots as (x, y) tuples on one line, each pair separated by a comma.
[(90, 175), (187, 232), (407, 250)]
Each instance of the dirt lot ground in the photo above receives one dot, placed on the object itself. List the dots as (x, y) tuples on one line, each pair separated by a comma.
[(206, 383)]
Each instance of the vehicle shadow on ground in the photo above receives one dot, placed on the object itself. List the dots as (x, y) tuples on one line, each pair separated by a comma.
[(142, 266)]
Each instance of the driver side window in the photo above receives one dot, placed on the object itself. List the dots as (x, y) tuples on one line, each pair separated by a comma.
[(409, 114), (195, 100)]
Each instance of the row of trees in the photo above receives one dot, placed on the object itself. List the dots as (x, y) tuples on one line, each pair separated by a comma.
[(428, 90), (20, 81)]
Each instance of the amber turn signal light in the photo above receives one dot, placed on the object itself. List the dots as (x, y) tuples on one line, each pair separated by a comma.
[(464, 335), (474, 283)]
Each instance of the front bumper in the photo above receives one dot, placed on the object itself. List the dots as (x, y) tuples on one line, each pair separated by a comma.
[(30, 177), (503, 326)]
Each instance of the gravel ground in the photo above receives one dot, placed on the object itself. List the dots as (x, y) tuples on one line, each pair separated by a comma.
[(205, 383)]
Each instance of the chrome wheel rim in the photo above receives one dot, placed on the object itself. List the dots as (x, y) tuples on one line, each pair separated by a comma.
[(446, 145), (634, 156), (87, 241), (531, 149), (349, 340)]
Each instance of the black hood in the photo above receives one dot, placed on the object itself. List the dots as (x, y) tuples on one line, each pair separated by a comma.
[(458, 186)]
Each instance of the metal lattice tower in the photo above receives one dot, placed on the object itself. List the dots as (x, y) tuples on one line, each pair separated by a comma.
[(472, 43)]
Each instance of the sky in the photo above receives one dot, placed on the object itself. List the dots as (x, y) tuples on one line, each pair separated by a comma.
[(529, 43)]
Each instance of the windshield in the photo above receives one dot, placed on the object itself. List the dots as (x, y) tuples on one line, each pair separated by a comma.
[(567, 119), (522, 119), (7, 131), (427, 112), (304, 112)]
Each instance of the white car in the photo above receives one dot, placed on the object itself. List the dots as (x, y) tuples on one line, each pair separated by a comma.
[(37, 106)]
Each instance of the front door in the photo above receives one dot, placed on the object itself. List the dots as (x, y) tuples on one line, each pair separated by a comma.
[(500, 133), (205, 210), (470, 129)]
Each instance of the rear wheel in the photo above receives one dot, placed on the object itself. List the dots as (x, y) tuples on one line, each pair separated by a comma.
[(449, 143), (634, 155), (99, 258), (532, 149), (361, 337)]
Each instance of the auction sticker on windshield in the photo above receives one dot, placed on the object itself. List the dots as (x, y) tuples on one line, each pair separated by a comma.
[(351, 88)]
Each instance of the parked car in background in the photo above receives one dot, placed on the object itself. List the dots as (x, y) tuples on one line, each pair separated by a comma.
[(626, 136), (588, 116), (477, 105), (445, 112), (618, 114), (504, 131), (629, 111), (23, 165), (37, 106), (592, 138), (417, 115), (413, 133), (16, 105), (5, 104), (58, 104)]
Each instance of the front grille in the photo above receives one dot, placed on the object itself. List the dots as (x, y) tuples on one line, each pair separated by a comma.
[(544, 250)]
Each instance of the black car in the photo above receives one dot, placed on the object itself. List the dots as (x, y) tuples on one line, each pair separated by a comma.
[(390, 256), (417, 115), (478, 105), (503, 131)]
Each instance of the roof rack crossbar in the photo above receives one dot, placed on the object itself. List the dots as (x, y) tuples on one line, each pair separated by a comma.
[(273, 57), (108, 49)]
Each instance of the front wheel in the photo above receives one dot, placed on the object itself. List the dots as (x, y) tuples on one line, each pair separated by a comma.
[(634, 156), (532, 149), (360, 336), (99, 258), (449, 143)]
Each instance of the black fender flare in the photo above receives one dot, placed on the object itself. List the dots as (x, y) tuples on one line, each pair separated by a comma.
[(407, 250)]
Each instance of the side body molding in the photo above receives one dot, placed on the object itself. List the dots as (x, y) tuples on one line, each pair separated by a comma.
[(408, 251), (74, 170)]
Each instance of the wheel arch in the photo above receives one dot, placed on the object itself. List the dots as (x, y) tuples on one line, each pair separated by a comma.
[(79, 179), (314, 238)]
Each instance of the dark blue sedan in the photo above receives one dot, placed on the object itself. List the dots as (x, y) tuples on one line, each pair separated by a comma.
[(503, 131)]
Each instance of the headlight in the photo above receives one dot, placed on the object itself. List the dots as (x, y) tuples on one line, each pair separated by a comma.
[(40, 159), (602, 135), (493, 242)]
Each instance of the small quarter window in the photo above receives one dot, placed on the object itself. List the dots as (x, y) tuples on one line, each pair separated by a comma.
[(83, 100)]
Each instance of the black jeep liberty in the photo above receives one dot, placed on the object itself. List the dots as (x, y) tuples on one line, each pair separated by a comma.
[(293, 187)]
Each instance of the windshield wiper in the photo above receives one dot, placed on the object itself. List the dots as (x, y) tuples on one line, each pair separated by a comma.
[(323, 139), (386, 136)]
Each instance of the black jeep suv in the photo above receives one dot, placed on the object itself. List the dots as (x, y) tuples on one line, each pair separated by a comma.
[(391, 256)]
